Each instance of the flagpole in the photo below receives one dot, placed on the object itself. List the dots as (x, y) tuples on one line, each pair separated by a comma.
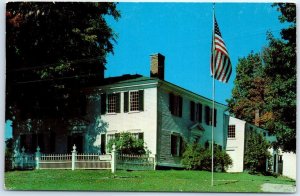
[(213, 98)]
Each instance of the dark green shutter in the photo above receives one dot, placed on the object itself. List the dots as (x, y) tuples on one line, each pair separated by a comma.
[(103, 144), (171, 103), (103, 103), (126, 101), (192, 110), (207, 115), (141, 100), (118, 103), (180, 106), (199, 114), (215, 117), (181, 150), (173, 145)]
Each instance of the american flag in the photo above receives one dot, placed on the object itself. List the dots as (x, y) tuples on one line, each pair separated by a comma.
[(220, 67)]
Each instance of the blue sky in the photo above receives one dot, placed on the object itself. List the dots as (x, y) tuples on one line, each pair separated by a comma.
[(182, 32)]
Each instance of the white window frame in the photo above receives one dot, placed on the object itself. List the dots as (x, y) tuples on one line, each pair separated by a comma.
[(138, 101), (108, 104), (230, 136)]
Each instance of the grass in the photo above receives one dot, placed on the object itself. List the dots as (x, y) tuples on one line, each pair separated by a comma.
[(170, 180)]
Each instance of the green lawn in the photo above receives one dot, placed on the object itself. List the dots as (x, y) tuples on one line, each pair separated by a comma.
[(171, 180)]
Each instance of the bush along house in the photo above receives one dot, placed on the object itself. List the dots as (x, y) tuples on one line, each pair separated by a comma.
[(163, 114)]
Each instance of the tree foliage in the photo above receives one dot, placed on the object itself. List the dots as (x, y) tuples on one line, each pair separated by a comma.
[(266, 82), (52, 51), (248, 93), (256, 152)]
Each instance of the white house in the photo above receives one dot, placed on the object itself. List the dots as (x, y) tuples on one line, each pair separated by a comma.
[(163, 114)]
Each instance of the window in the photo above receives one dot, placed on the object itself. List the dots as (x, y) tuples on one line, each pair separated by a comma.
[(139, 136), (175, 104), (231, 131), (134, 101), (110, 137), (110, 103), (199, 112), (208, 116), (113, 103), (176, 145)]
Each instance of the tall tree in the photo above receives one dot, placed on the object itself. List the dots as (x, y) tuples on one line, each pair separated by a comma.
[(280, 67), (248, 94), (54, 49), (267, 82)]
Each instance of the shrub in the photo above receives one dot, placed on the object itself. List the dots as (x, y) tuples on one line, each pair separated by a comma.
[(126, 143), (191, 156), (256, 152), (197, 158)]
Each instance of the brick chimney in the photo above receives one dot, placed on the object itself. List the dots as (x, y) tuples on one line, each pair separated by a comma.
[(157, 66)]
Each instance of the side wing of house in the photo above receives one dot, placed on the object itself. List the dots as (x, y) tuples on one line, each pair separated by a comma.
[(236, 144)]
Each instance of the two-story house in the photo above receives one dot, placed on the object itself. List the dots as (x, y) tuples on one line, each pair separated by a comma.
[(163, 114)]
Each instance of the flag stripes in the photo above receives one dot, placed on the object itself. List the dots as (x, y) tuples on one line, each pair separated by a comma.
[(220, 62)]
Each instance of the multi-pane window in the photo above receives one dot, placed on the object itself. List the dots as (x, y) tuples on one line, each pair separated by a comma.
[(196, 112), (209, 114), (110, 137), (231, 131), (199, 112), (111, 103), (175, 104), (139, 136), (134, 101)]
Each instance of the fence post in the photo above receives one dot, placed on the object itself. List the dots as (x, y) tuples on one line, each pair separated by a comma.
[(73, 157), (22, 157), (37, 158), (113, 159), (154, 161)]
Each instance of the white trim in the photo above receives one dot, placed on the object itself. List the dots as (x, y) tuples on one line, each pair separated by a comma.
[(129, 102), (132, 85)]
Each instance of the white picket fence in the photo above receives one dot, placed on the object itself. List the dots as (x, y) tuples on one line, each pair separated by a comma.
[(64, 161), (83, 161)]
